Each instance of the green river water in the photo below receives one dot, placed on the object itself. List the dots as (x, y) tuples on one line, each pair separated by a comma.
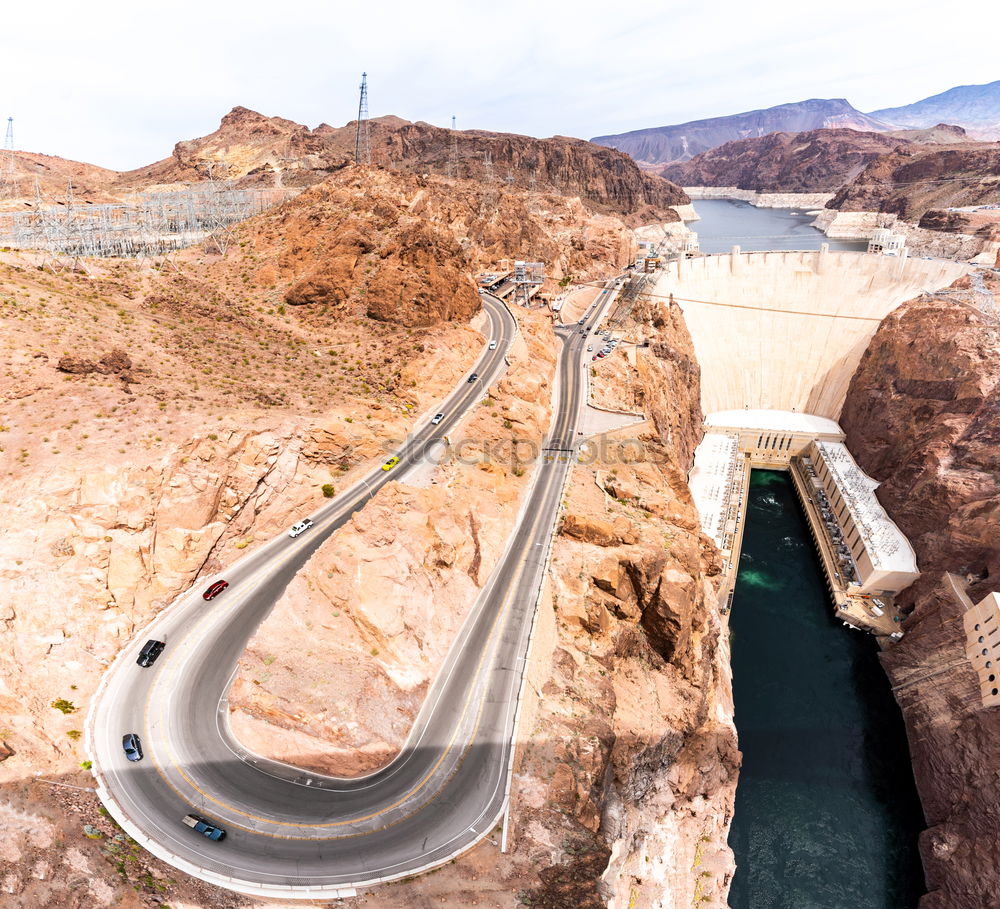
[(827, 815)]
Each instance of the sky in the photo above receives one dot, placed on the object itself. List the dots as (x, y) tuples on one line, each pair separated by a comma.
[(119, 83)]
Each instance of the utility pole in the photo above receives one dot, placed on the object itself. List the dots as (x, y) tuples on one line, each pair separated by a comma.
[(362, 141), (8, 170)]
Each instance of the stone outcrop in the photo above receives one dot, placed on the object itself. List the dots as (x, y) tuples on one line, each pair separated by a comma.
[(923, 416), (402, 248), (819, 160)]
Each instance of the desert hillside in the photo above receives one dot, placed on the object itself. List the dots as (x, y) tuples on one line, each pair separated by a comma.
[(163, 417)]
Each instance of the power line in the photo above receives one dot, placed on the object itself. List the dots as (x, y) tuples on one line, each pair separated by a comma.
[(793, 312)]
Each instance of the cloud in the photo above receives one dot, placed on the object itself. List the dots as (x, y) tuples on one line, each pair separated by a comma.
[(118, 83)]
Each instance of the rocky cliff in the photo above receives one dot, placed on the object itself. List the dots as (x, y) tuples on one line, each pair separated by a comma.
[(256, 149), (913, 180), (923, 416), (623, 790), (820, 160)]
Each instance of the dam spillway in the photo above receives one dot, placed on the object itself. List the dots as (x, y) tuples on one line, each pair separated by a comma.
[(786, 330)]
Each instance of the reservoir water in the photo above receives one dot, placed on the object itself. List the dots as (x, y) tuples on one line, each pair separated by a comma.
[(827, 814), (727, 223)]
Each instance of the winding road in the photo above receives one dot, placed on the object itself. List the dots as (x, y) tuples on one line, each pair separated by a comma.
[(295, 833)]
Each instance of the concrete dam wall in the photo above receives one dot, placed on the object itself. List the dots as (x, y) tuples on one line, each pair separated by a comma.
[(786, 330)]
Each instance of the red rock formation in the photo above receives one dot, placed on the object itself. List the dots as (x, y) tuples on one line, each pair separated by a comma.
[(403, 248), (820, 160), (256, 149), (911, 181), (923, 416)]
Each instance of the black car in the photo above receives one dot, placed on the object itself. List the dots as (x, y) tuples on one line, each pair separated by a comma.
[(132, 746), (473, 377), (215, 589), (150, 651)]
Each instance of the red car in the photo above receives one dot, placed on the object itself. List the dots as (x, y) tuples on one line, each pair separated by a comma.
[(215, 589)]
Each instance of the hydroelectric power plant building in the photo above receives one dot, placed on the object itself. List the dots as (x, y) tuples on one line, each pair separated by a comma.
[(778, 336)]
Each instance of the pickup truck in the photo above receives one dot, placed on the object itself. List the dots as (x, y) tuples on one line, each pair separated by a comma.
[(203, 827)]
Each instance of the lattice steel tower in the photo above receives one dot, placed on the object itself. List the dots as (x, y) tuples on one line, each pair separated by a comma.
[(362, 140), (453, 154), (8, 167)]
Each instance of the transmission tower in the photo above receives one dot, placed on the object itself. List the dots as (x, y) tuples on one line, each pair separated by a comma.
[(488, 164), (8, 169), (453, 155), (362, 141)]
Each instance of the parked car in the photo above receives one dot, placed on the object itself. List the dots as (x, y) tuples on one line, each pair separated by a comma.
[(473, 377), (214, 590), (205, 828), (590, 347), (437, 418), (132, 746), (493, 345), (392, 462), (300, 528), (150, 651)]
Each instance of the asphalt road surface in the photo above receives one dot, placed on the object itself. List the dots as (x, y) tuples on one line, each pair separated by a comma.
[(288, 829)]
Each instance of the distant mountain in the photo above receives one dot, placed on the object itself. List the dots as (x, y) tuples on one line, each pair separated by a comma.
[(666, 144), (976, 107), (819, 160)]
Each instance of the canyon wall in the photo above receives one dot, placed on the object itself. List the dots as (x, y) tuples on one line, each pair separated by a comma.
[(922, 415), (626, 776), (786, 330)]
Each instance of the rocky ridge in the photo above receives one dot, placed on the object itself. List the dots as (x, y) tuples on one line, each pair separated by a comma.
[(819, 160), (912, 181), (254, 149), (623, 793)]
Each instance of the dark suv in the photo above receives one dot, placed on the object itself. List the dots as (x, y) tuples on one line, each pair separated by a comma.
[(150, 651), (132, 746)]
